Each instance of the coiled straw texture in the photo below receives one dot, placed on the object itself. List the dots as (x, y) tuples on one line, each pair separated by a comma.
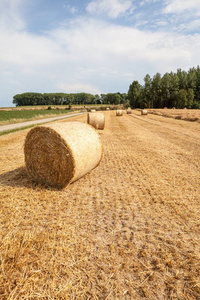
[(61, 153), (119, 112), (144, 112), (96, 120)]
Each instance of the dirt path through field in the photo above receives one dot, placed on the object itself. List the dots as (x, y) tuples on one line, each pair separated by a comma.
[(34, 122), (130, 229)]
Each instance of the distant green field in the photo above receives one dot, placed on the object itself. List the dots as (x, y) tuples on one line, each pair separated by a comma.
[(28, 114)]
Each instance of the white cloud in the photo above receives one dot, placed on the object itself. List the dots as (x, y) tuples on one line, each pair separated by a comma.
[(142, 3), (104, 54), (179, 6), (78, 88), (10, 16), (112, 8), (86, 54), (70, 8), (26, 50)]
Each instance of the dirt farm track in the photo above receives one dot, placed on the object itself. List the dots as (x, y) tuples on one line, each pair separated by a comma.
[(129, 229)]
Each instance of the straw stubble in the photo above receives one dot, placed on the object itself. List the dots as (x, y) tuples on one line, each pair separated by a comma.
[(62, 152)]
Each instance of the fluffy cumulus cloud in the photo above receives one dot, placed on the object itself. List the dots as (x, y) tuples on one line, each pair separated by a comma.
[(10, 16), (70, 8), (111, 8), (86, 53), (179, 6), (68, 87), (110, 57), (23, 49)]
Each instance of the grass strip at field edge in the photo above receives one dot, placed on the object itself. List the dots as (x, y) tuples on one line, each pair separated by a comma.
[(38, 122)]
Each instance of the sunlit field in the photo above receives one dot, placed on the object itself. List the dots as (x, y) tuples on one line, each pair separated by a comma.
[(128, 229)]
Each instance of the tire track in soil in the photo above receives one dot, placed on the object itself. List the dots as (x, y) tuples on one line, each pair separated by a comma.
[(148, 198), (139, 185), (131, 224)]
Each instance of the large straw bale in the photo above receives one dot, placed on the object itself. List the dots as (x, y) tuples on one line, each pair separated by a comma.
[(128, 110), (96, 120), (144, 112), (61, 153), (119, 112)]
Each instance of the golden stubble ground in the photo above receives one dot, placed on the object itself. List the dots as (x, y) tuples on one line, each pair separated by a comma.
[(129, 229)]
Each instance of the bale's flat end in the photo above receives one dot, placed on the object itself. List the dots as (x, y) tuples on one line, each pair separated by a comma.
[(61, 153)]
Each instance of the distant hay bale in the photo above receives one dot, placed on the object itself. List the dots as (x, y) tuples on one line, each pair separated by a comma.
[(93, 110), (144, 112), (62, 152), (165, 107), (119, 112), (96, 120), (173, 107), (107, 108), (128, 110)]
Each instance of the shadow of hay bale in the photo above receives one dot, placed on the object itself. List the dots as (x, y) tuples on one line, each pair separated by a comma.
[(14, 177), (20, 178)]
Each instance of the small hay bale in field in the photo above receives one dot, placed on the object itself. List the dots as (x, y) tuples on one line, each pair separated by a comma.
[(96, 120), (107, 108), (119, 112), (93, 110), (144, 112), (62, 152), (128, 110)]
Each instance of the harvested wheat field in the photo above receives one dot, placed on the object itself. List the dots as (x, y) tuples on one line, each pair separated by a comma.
[(128, 229), (192, 115)]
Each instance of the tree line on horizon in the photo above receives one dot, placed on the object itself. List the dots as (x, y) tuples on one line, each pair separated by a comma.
[(33, 99), (180, 90)]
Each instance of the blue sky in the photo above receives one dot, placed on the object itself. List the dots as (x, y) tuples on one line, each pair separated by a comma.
[(94, 46)]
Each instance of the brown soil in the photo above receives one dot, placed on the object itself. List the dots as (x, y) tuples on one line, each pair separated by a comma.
[(129, 229)]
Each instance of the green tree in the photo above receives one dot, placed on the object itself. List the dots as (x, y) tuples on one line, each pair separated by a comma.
[(147, 92), (156, 90), (182, 76), (174, 88), (112, 98), (181, 99), (190, 98), (134, 94), (197, 91), (165, 90)]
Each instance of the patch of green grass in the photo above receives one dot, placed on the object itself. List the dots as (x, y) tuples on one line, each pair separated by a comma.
[(28, 114), (15, 130)]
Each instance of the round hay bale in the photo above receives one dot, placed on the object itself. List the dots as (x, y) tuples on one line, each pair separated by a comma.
[(119, 112), (144, 112), (128, 111), (62, 152), (93, 110), (107, 108), (96, 120)]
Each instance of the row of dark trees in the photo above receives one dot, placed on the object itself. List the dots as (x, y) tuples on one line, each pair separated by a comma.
[(180, 90), (68, 99)]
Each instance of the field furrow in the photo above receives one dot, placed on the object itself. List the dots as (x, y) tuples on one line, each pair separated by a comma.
[(129, 229)]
